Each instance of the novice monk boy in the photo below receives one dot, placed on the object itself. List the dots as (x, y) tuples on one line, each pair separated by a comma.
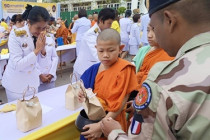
[(148, 56), (113, 79)]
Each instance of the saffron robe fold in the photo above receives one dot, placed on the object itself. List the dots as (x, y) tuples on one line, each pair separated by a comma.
[(151, 58)]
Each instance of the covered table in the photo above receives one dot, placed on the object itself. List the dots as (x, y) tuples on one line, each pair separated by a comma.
[(57, 122)]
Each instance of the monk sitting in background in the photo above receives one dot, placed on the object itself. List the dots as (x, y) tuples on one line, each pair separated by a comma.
[(113, 79), (62, 31)]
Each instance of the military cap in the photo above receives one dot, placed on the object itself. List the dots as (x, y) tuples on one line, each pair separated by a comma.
[(155, 5)]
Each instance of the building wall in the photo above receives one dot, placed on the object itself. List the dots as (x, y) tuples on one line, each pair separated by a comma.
[(75, 5)]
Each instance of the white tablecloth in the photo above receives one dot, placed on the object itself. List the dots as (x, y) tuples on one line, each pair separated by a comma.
[(70, 52), (66, 47), (53, 107)]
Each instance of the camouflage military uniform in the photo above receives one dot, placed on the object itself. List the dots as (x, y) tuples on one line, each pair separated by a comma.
[(179, 103)]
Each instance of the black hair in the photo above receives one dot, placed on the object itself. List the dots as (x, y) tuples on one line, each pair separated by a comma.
[(2, 19), (105, 14), (35, 14), (17, 18), (136, 17), (95, 12), (13, 19), (52, 19), (128, 13), (82, 13)]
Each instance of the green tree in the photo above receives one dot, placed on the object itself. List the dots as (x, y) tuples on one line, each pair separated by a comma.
[(121, 10)]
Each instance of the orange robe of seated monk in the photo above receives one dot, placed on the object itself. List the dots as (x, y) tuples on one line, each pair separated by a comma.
[(113, 84), (63, 32), (151, 58)]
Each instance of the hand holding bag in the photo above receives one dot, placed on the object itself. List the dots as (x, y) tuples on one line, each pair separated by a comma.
[(92, 106)]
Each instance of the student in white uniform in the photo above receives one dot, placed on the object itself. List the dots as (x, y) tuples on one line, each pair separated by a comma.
[(21, 70), (47, 65), (18, 21), (135, 40), (81, 26), (125, 26), (88, 53), (145, 20)]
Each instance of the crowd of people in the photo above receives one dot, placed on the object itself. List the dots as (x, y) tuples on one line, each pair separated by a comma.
[(161, 94)]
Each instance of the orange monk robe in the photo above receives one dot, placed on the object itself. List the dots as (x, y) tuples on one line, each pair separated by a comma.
[(151, 58), (73, 36), (112, 85), (63, 32), (93, 23)]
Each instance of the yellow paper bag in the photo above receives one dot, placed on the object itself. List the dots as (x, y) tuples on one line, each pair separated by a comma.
[(28, 113)]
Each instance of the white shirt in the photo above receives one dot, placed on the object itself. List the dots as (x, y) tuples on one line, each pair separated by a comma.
[(21, 70), (135, 35), (48, 64), (88, 53), (81, 26), (125, 25), (145, 20), (2, 29)]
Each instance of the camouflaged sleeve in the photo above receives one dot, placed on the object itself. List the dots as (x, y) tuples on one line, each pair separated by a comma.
[(179, 92)]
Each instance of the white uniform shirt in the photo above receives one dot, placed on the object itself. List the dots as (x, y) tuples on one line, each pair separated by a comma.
[(145, 20), (88, 53), (125, 26), (135, 35), (81, 26), (21, 70), (2, 29), (48, 64)]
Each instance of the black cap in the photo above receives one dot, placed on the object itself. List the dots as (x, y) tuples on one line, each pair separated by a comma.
[(52, 19), (155, 5)]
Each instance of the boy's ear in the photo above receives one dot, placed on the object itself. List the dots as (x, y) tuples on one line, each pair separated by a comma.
[(95, 46), (121, 48)]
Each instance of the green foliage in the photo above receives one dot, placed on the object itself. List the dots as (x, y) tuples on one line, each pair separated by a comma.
[(121, 10)]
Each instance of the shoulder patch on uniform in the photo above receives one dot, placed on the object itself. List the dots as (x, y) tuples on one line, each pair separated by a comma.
[(19, 33), (96, 30), (143, 98), (136, 124)]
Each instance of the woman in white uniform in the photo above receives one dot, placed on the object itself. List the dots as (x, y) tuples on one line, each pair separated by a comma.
[(47, 65), (21, 70), (135, 40), (81, 26), (125, 26)]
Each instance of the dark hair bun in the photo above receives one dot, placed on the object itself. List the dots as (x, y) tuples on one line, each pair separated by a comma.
[(128, 13), (27, 11), (13, 19)]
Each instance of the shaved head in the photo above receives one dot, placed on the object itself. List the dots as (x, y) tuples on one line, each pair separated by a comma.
[(109, 35)]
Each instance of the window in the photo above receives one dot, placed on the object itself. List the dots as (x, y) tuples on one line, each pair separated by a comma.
[(138, 6), (129, 6), (117, 6)]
